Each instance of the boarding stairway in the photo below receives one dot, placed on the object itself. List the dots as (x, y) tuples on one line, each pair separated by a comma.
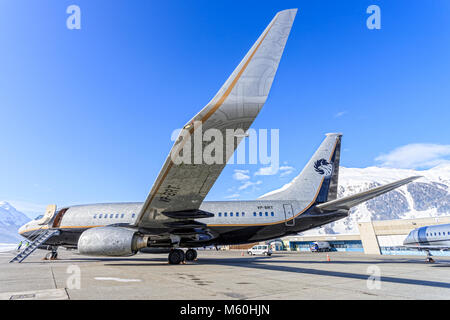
[(39, 240)]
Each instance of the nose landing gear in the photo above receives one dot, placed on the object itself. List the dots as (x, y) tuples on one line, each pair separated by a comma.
[(177, 256), (53, 255), (429, 259)]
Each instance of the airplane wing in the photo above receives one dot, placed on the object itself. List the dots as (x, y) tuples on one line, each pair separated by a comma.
[(354, 200), (186, 178)]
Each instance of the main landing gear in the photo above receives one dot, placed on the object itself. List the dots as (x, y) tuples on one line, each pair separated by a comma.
[(177, 256)]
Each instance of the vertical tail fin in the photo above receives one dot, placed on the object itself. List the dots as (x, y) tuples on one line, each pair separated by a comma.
[(318, 181)]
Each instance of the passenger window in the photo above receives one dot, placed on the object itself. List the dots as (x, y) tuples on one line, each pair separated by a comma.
[(122, 215), (117, 215), (254, 214), (225, 214), (237, 214), (95, 216), (231, 214), (243, 214), (100, 215), (133, 215), (106, 216), (260, 214), (272, 214), (267, 214), (111, 215), (220, 214)]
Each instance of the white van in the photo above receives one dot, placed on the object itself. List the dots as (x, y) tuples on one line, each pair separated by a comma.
[(320, 246), (260, 249)]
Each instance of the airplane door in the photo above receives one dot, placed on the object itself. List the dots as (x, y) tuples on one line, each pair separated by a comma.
[(58, 218), (289, 214)]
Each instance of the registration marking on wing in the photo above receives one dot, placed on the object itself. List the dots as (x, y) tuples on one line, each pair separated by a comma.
[(169, 192)]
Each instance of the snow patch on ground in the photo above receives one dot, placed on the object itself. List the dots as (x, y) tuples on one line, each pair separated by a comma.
[(5, 247)]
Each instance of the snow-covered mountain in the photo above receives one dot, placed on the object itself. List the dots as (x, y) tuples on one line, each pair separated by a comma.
[(10, 221), (428, 196)]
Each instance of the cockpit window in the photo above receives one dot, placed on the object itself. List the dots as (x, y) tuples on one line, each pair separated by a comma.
[(39, 217)]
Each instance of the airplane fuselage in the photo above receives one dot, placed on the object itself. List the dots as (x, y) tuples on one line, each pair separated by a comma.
[(435, 237), (234, 222)]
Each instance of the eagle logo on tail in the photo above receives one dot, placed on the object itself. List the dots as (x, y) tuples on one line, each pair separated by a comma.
[(323, 167)]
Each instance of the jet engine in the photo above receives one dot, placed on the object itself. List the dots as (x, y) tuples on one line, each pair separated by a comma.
[(111, 241)]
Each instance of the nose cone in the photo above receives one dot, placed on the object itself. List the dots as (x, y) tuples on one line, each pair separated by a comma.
[(405, 242), (408, 240), (22, 229)]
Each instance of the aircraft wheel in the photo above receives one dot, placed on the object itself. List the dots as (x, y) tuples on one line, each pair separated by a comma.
[(191, 255), (176, 256)]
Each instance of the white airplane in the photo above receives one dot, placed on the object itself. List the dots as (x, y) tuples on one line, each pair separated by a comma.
[(175, 215), (429, 238)]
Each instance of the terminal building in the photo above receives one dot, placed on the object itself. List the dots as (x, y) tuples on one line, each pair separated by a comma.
[(376, 237)]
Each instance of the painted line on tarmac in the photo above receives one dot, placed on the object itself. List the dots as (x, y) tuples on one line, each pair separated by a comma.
[(117, 279)]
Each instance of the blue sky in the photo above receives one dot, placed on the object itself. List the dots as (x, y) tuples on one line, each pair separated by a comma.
[(86, 115)]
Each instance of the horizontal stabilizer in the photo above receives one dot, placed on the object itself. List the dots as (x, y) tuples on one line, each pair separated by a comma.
[(354, 200)]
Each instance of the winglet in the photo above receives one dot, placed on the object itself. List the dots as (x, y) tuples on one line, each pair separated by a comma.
[(250, 83)]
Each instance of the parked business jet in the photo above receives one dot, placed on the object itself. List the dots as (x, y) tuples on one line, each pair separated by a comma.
[(174, 214), (428, 238)]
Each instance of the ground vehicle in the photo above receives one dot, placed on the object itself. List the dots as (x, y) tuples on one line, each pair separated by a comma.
[(320, 246), (260, 249)]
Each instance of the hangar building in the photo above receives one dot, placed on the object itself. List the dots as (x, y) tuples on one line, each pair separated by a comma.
[(375, 237)]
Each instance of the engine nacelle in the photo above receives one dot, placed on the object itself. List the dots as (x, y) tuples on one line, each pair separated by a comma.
[(111, 241)]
